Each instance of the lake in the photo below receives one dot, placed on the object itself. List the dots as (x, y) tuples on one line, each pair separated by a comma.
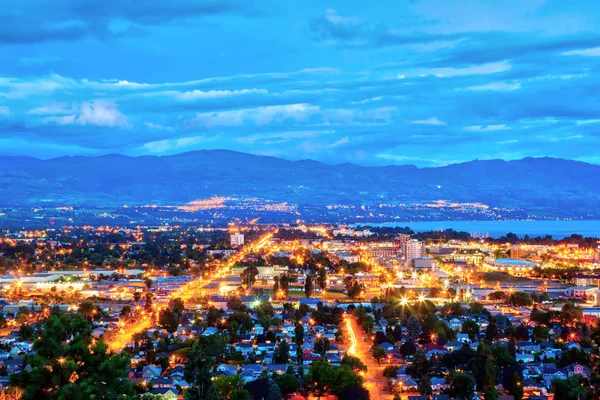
[(557, 228)]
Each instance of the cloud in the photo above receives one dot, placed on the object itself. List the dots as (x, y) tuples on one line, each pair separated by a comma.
[(31, 21), (170, 145), (342, 141), (98, 113), (487, 128), (333, 28), (482, 69), (212, 94), (4, 111), (429, 121), (257, 116), (587, 121), (365, 101), (495, 86), (593, 52), (559, 139)]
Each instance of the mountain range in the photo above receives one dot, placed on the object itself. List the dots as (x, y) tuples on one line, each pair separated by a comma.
[(537, 185)]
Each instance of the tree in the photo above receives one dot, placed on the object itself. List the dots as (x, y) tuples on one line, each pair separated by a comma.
[(354, 392), (308, 286), (378, 353), (515, 386), (168, 320), (355, 363), (391, 371), (425, 386), (282, 354), (229, 387), (69, 363), (520, 299), (274, 392), (205, 352), (323, 378), (248, 275), (322, 278), (491, 332), (276, 288), (497, 296), (288, 383), (568, 389), (540, 333), (299, 332), (462, 386), (471, 328), (414, 327)]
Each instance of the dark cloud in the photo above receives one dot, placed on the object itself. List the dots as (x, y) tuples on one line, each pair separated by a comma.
[(38, 21)]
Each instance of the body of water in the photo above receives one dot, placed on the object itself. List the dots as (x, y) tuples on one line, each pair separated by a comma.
[(556, 228)]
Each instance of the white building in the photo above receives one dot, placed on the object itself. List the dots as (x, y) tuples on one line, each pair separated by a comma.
[(237, 239), (414, 249)]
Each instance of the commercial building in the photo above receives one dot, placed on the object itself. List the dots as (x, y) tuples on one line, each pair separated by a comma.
[(414, 249), (237, 239), (510, 265)]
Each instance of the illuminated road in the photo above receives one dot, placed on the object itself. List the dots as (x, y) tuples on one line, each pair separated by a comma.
[(143, 321), (374, 380)]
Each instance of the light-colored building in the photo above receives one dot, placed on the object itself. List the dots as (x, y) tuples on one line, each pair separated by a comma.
[(414, 249), (509, 265), (237, 239)]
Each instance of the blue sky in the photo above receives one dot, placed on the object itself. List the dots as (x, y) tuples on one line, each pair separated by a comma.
[(392, 82)]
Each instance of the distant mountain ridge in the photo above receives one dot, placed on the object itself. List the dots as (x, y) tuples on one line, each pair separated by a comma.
[(536, 184)]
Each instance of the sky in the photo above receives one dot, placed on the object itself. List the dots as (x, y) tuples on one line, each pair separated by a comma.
[(389, 82)]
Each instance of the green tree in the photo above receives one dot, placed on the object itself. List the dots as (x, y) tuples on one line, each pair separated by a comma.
[(204, 354), (378, 353), (274, 392), (462, 386), (414, 327), (282, 353), (288, 383), (425, 386), (168, 320), (69, 363), (520, 299), (568, 389), (515, 386), (322, 278), (229, 387), (308, 286), (323, 378), (355, 363), (540, 333), (471, 328)]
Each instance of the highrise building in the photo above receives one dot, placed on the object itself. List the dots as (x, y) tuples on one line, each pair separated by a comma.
[(237, 239), (414, 249)]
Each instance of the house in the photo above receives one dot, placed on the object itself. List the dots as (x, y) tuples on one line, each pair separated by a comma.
[(14, 365), (453, 345), (463, 338), (150, 372), (165, 393), (211, 330), (386, 346), (162, 383), (227, 369), (524, 358), (438, 384), (576, 369), (251, 372), (455, 324)]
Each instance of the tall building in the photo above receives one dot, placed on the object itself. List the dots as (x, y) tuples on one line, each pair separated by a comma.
[(597, 254), (414, 249), (237, 239)]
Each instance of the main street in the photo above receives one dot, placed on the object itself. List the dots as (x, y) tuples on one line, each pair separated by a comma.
[(374, 380), (143, 320)]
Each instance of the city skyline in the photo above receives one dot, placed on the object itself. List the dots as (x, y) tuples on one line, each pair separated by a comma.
[(423, 83)]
